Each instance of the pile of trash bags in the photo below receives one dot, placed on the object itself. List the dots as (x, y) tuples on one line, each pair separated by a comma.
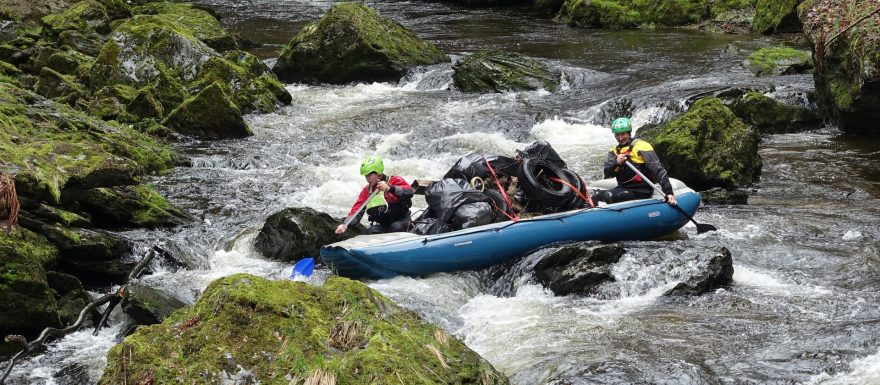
[(480, 189)]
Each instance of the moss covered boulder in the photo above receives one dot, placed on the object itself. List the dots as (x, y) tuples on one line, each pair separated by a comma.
[(771, 116), (635, 13), (772, 61), (281, 332), (708, 146), (126, 207), (87, 17), (499, 71), (776, 16), (353, 42), (26, 303), (294, 233), (847, 71), (203, 25), (209, 114), (147, 306)]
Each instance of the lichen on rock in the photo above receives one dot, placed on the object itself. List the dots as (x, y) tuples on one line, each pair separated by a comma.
[(499, 71)]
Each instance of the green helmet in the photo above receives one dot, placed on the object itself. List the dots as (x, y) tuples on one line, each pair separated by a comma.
[(621, 125), (372, 164)]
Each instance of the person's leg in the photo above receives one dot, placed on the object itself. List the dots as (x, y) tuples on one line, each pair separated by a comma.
[(399, 226), (620, 194), (376, 229)]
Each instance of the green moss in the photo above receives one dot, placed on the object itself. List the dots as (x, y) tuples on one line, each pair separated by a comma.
[(498, 71), (773, 60), (28, 304), (775, 16), (279, 330), (770, 116), (644, 13), (203, 25)]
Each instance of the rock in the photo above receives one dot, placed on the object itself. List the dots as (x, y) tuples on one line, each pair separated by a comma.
[(210, 114), (618, 14), (578, 268), (294, 233), (203, 24), (26, 302), (714, 272), (707, 147), (77, 244), (87, 16), (499, 71), (246, 78), (770, 116), (247, 324), (720, 196), (353, 42), (773, 61), (147, 306), (126, 207), (110, 101), (86, 44), (70, 297), (598, 14), (847, 71), (146, 105), (776, 16), (63, 88)]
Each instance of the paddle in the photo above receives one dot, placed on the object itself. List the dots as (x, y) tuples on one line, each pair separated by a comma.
[(701, 227), (303, 268), (351, 217)]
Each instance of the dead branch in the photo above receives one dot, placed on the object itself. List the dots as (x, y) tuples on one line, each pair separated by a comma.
[(114, 299), (853, 24)]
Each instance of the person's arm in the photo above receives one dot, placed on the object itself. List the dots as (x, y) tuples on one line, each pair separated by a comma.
[(400, 188), (611, 168), (652, 162), (362, 199)]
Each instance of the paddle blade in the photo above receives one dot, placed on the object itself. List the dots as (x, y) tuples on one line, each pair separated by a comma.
[(703, 227), (303, 268)]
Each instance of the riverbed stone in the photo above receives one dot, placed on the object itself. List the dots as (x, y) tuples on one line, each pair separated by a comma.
[(276, 331), (203, 24), (616, 14), (722, 196), (847, 71), (87, 16), (296, 232), (773, 61), (776, 16), (770, 116), (352, 42), (714, 272), (708, 146), (148, 306), (499, 71), (578, 268), (70, 297)]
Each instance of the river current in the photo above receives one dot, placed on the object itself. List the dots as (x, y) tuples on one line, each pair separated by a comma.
[(804, 307)]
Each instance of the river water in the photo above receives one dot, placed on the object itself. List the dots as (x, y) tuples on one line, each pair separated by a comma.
[(803, 307)]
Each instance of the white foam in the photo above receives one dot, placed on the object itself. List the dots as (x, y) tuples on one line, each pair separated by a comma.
[(850, 235), (751, 277), (863, 371)]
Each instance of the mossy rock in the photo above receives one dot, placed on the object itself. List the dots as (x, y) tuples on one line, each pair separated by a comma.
[(146, 105), (108, 102), (26, 302), (48, 145), (70, 296), (847, 74), (617, 14), (148, 306), (770, 116), (245, 78), (126, 207), (598, 14), (78, 244), (211, 114), (295, 233), (281, 330), (88, 44), (87, 16), (353, 42), (708, 146), (776, 16), (203, 24), (772, 61), (499, 71), (63, 88)]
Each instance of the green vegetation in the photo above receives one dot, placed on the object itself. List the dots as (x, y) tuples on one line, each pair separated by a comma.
[(777, 60), (635, 13), (776, 16), (279, 330)]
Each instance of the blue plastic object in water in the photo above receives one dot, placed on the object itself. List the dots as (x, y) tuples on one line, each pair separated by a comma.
[(303, 268)]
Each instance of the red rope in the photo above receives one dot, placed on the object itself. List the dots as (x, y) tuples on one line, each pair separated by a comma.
[(515, 216), (587, 198)]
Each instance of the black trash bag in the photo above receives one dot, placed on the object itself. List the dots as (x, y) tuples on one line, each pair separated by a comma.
[(445, 196), (472, 165), (499, 205), (542, 150), (472, 215), (429, 226)]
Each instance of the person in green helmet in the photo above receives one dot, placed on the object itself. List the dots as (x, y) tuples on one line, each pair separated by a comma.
[(388, 211), (640, 153)]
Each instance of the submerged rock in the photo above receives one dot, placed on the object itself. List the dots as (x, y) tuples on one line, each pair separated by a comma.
[(720, 196), (847, 71), (708, 146), (353, 42), (499, 71), (578, 268), (276, 331), (714, 272)]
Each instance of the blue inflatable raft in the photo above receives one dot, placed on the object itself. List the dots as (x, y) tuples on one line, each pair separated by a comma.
[(388, 255)]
